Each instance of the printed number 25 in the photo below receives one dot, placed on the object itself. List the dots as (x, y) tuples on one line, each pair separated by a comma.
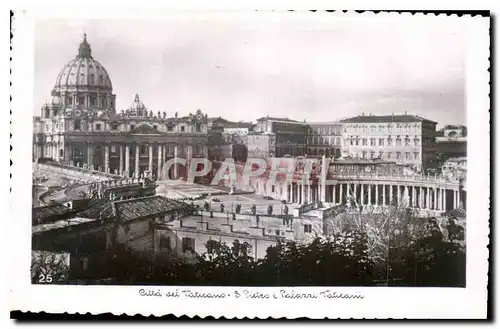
[(45, 278)]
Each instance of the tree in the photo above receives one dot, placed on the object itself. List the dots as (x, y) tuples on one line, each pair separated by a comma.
[(270, 209), (221, 259), (337, 261), (398, 240), (49, 267)]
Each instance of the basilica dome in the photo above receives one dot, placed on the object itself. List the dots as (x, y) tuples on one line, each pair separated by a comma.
[(83, 71), (83, 83)]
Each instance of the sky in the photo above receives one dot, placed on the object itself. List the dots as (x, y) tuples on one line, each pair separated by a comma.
[(243, 69)]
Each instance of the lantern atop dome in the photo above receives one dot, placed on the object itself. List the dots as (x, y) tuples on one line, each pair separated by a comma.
[(84, 50)]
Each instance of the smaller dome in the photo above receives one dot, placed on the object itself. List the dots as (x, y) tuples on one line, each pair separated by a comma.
[(137, 108)]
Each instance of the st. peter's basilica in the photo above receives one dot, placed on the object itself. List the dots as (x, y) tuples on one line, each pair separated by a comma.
[(80, 125)]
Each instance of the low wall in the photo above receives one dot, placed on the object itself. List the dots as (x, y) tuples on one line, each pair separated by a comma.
[(75, 172)]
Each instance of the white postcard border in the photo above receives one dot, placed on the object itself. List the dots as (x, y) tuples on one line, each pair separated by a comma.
[(378, 302)]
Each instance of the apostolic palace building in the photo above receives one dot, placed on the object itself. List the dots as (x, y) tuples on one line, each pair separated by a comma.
[(80, 126)]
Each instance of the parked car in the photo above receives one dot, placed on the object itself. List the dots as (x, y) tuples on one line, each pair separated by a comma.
[(215, 199), (268, 198)]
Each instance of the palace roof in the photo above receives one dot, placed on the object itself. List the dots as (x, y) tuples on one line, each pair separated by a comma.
[(386, 118)]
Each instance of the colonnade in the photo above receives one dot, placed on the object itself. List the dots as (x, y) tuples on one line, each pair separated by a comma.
[(426, 197), (382, 194)]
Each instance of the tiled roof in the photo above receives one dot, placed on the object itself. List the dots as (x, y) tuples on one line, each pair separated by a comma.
[(385, 118), (248, 125), (39, 214), (98, 208), (148, 206), (276, 119), (454, 127)]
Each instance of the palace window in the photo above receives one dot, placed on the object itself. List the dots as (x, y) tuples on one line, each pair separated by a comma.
[(407, 156), (183, 128), (416, 155), (372, 155), (198, 127), (143, 149), (77, 125), (417, 141), (389, 154), (113, 126), (92, 100), (69, 100), (187, 244), (398, 141), (398, 155), (92, 80), (98, 126), (407, 141), (363, 155), (372, 141), (381, 142), (381, 155), (364, 142), (307, 228), (101, 79), (165, 243), (389, 141), (81, 100), (82, 78)]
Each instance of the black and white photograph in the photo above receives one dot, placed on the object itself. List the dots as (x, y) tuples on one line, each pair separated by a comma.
[(285, 156)]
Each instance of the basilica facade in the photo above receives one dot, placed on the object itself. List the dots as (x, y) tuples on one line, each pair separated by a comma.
[(80, 126)]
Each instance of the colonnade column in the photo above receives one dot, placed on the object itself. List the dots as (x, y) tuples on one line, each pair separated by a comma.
[(137, 156), (376, 195), (398, 193), (443, 199), (90, 156), (428, 198), (391, 194), (334, 197), (383, 195), (421, 197), (127, 160), (435, 204), (160, 164), (106, 158), (175, 163), (120, 166), (362, 199), (369, 201), (150, 158), (340, 193)]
